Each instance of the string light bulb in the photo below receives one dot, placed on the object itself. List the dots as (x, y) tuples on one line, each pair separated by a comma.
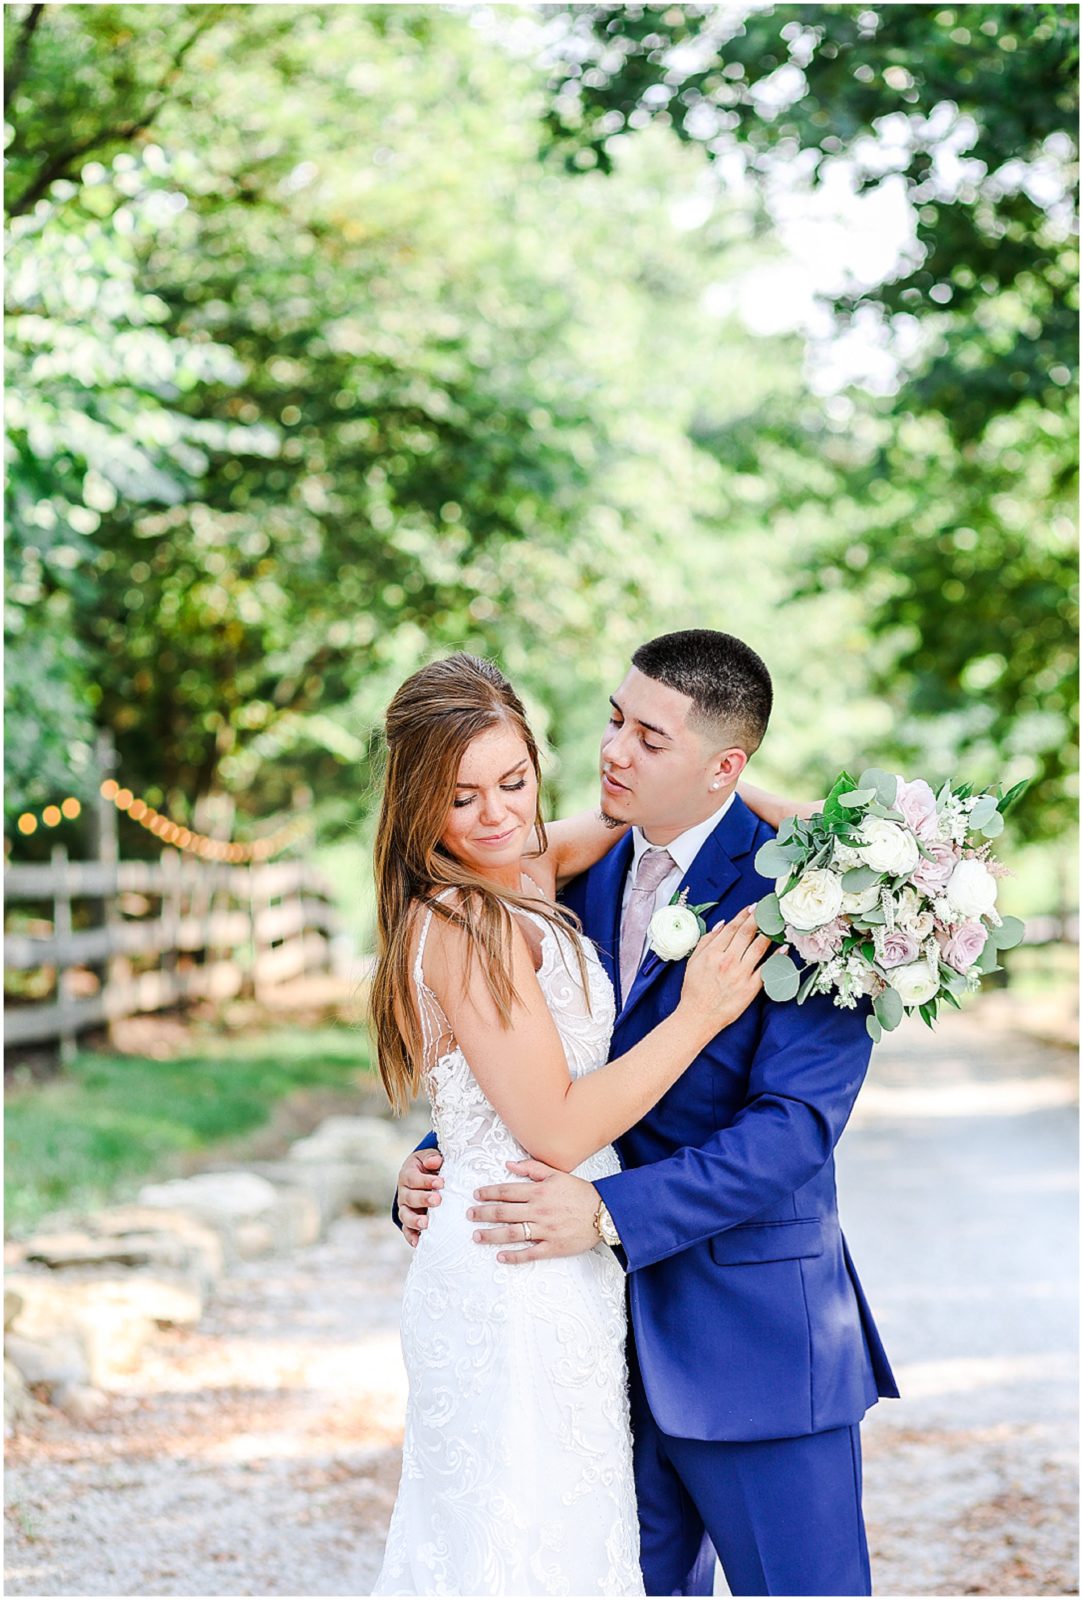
[(165, 829), (200, 844), (52, 816)]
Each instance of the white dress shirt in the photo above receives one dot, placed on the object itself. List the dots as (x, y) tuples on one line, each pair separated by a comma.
[(684, 849)]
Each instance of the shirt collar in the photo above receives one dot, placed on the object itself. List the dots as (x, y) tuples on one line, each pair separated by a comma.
[(687, 845)]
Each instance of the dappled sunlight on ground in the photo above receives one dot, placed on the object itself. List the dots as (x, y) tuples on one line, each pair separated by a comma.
[(259, 1452)]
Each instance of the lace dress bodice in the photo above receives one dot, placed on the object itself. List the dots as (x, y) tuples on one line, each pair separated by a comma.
[(473, 1140)]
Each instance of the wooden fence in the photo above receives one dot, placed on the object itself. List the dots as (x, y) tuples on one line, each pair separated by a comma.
[(197, 929)]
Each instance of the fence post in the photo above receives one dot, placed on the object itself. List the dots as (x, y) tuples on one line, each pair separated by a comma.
[(62, 932), (104, 848), (171, 908)]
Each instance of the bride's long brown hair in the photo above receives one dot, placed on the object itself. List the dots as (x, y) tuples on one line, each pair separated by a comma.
[(431, 720)]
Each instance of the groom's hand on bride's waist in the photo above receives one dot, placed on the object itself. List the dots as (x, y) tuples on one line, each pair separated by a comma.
[(551, 1215), (418, 1190)]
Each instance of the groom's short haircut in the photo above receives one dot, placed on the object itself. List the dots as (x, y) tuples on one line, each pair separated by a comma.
[(727, 682)]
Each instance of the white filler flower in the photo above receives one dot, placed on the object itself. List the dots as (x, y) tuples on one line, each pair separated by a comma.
[(673, 932), (917, 982), (815, 899), (971, 891), (888, 847)]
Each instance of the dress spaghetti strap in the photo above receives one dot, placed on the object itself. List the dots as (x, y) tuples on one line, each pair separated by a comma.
[(436, 1035)]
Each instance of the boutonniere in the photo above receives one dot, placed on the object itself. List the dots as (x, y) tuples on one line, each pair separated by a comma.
[(675, 930)]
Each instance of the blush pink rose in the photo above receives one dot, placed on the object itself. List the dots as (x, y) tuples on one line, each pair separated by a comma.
[(962, 947), (896, 949), (933, 875), (917, 802), (819, 945)]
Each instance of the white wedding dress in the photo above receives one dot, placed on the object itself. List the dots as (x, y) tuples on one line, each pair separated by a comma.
[(517, 1455)]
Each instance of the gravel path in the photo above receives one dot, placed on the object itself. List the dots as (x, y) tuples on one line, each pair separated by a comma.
[(258, 1454)]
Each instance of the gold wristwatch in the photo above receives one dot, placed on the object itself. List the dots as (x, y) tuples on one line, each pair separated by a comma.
[(604, 1225)]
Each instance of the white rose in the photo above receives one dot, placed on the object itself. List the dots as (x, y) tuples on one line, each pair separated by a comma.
[(673, 933), (816, 898), (860, 900), (910, 916), (917, 982), (971, 891), (888, 847), (865, 980)]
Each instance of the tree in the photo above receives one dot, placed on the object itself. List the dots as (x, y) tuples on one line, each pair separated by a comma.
[(955, 495), (450, 415)]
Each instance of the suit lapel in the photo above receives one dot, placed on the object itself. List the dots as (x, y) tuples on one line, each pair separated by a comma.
[(712, 876)]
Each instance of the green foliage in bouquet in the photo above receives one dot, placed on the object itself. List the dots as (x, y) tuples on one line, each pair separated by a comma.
[(804, 845)]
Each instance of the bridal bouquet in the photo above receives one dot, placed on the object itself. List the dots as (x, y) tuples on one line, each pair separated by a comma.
[(889, 892)]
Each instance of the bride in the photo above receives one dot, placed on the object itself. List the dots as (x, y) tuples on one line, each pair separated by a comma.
[(517, 1460)]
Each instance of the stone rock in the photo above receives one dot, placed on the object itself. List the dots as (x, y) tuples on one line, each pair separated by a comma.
[(107, 1319), (329, 1185), (13, 1304), (136, 1237), (19, 1404), (79, 1401), (249, 1214), (50, 1362), (343, 1138), (370, 1147)]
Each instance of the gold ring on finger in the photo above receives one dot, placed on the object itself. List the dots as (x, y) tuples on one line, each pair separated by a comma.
[(527, 1235)]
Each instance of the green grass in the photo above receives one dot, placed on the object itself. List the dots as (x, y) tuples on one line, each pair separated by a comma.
[(111, 1122)]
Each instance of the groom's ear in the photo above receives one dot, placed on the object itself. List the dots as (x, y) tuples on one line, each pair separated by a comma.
[(727, 767)]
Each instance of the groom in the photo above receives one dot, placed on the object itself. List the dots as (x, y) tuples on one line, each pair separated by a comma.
[(752, 1351)]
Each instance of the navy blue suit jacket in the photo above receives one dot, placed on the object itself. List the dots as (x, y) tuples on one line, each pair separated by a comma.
[(748, 1318)]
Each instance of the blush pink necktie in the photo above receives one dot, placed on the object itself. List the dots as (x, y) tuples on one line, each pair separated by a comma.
[(654, 864)]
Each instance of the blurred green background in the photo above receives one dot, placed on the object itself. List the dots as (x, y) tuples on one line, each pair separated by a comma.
[(343, 335)]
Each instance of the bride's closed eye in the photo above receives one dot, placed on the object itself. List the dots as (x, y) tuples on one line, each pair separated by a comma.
[(508, 788)]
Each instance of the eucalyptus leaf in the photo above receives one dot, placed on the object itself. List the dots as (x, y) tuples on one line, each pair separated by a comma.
[(873, 1029), (994, 827), (985, 808), (858, 878), (772, 861), (889, 1009), (883, 782), (806, 985), (781, 979), (1009, 934), (769, 918), (857, 797), (987, 961)]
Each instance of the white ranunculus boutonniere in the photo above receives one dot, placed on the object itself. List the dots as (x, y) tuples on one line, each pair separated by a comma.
[(675, 930)]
